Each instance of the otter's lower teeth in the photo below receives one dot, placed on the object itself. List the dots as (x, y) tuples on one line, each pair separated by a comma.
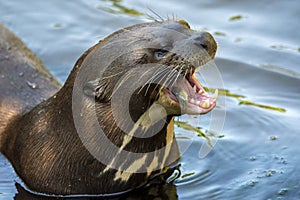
[(205, 104), (195, 102)]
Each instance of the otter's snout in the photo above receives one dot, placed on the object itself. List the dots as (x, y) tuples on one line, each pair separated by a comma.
[(206, 41)]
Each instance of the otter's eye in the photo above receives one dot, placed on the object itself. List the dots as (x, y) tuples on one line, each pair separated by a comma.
[(160, 53)]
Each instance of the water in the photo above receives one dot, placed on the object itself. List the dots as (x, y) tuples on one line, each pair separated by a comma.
[(256, 154)]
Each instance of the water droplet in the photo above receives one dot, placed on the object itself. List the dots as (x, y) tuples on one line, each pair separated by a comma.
[(283, 191), (41, 111), (273, 137), (268, 174), (32, 85), (252, 183), (252, 158)]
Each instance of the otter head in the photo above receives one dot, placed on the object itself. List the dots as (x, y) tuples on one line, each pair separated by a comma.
[(151, 63)]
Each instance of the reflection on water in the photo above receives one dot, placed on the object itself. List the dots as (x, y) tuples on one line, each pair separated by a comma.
[(242, 100), (187, 126), (255, 149), (116, 7), (245, 102), (157, 188), (283, 47), (235, 18), (256, 153)]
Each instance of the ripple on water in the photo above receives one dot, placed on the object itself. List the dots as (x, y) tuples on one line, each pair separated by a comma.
[(196, 177), (255, 158)]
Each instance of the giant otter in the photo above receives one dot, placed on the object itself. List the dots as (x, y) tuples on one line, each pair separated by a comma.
[(109, 128)]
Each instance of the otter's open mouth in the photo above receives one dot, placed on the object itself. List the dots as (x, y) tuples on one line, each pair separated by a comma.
[(188, 95)]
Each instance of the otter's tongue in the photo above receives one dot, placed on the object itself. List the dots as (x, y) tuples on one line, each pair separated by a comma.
[(192, 97)]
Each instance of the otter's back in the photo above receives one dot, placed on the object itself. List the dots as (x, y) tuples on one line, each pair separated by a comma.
[(24, 81)]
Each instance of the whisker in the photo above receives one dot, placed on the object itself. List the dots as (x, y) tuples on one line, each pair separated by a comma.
[(153, 76), (166, 79), (141, 77), (179, 72), (127, 76), (169, 77), (159, 73), (156, 14), (113, 75)]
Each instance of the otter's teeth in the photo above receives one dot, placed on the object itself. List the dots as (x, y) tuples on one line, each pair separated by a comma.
[(195, 88), (215, 95), (205, 104)]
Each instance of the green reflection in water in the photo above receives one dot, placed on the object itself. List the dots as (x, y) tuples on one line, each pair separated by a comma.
[(235, 18), (285, 47), (205, 134), (223, 92), (57, 25), (189, 127), (218, 33), (242, 101), (245, 102), (118, 8), (281, 70), (187, 175)]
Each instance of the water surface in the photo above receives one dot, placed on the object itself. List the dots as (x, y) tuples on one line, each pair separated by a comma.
[(257, 153)]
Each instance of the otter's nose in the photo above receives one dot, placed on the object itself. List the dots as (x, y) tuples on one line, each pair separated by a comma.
[(206, 41)]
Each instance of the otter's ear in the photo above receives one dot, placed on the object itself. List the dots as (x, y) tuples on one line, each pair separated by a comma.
[(95, 89)]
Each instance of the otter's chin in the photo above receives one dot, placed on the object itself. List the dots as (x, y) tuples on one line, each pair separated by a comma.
[(187, 96)]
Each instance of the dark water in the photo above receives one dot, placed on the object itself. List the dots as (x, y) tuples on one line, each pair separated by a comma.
[(257, 153)]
